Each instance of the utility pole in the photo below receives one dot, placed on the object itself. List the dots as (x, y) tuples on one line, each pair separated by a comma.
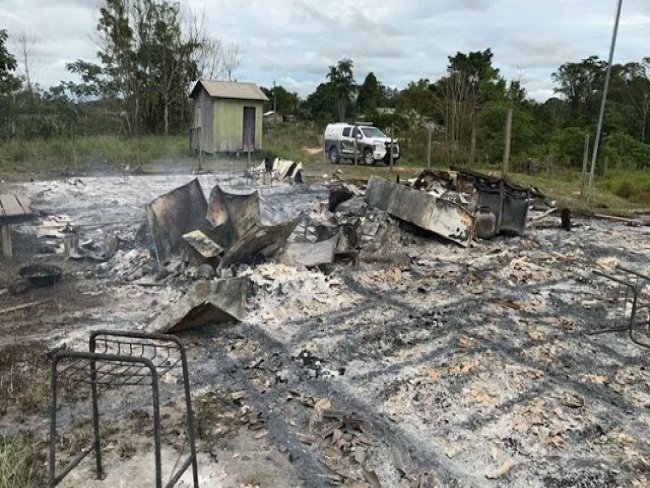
[(506, 150), (601, 116), (275, 105)]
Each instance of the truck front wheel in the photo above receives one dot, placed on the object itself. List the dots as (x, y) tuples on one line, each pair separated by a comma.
[(368, 157)]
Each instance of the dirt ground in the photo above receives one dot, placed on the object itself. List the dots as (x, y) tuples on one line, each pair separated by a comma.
[(427, 364)]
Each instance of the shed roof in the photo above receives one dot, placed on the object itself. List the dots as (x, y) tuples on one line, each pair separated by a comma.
[(230, 89)]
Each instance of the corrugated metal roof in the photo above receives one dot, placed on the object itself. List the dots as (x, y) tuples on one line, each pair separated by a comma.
[(231, 89)]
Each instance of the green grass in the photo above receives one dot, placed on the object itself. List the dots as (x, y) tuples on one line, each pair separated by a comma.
[(291, 141), (17, 463), (42, 157)]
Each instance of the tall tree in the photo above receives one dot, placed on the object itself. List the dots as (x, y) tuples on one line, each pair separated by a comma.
[(471, 81), (285, 102), (370, 94), (9, 82), (342, 79), (580, 83), (322, 104), (147, 61)]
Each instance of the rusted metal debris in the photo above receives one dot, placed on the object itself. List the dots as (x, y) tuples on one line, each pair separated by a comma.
[(175, 214), (203, 244), (441, 217), (41, 274), (279, 169), (258, 240), (507, 201), (233, 214), (100, 250), (310, 254), (225, 231), (207, 302)]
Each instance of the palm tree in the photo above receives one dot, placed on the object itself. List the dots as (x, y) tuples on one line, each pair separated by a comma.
[(342, 78)]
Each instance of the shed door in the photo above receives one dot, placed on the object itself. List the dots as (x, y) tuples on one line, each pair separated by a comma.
[(249, 128)]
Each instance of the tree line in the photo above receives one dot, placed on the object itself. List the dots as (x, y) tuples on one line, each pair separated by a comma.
[(150, 53), (467, 108)]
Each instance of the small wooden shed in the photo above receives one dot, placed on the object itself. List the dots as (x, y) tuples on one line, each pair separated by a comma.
[(227, 116)]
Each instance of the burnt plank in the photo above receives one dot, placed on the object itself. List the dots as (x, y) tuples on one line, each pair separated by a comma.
[(25, 203), (11, 206)]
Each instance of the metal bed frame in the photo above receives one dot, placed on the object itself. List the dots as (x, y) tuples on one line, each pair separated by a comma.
[(121, 358), (629, 285)]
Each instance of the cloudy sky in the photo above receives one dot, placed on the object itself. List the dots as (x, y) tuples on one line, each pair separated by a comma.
[(293, 42)]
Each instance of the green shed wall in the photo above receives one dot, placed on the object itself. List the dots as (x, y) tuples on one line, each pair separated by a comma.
[(228, 122)]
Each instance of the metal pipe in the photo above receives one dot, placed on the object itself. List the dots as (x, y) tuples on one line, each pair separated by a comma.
[(601, 116)]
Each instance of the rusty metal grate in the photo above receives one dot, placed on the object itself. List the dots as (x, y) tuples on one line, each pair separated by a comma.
[(115, 359)]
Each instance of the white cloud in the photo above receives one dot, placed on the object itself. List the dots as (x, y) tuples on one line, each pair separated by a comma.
[(294, 41)]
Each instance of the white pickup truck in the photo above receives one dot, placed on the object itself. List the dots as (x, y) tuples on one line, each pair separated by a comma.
[(371, 144)]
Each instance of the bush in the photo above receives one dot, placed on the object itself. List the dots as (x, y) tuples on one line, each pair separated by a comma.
[(625, 190)]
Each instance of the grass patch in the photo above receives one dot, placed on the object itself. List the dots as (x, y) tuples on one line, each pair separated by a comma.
[(19, 463), (632, 186), (292, 141), (43, 157)]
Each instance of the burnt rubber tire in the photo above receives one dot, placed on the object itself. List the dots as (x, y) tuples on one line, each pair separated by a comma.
[(368, 157), (335, 157)]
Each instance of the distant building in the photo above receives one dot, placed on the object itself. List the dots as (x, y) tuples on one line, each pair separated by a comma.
[(227, 116)]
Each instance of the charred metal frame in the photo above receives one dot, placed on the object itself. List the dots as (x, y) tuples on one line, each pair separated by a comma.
[(627, 302), (125, 359)]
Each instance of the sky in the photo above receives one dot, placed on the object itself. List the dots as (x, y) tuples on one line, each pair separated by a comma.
[(292, 42)]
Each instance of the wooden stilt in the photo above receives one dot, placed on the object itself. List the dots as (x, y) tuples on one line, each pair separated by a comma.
[(6, 241)]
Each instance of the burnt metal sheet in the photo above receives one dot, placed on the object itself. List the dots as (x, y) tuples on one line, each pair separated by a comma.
[(441, 217), (207, 303), (203, 244), (310, 254), (508, 203), (259, 240), (174, 214), (232, 214)]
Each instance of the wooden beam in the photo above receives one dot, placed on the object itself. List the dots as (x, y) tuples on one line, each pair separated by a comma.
[(23, 306), (5, 235), (25, 203), (11, 206)]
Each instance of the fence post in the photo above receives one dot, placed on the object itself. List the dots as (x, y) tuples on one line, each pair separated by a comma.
[(429, 148), (585, 162), (506, 151), (356, 151), (391, 149)]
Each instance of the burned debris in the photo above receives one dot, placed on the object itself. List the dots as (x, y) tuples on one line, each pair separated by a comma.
[(435, 331)]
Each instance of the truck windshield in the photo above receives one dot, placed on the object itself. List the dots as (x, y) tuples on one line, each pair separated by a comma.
[(372, 132)]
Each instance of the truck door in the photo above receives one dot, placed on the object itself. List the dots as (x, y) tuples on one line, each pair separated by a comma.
[(347, 142)]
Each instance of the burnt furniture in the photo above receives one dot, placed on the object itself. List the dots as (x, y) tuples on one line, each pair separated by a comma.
[(13, 209)]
